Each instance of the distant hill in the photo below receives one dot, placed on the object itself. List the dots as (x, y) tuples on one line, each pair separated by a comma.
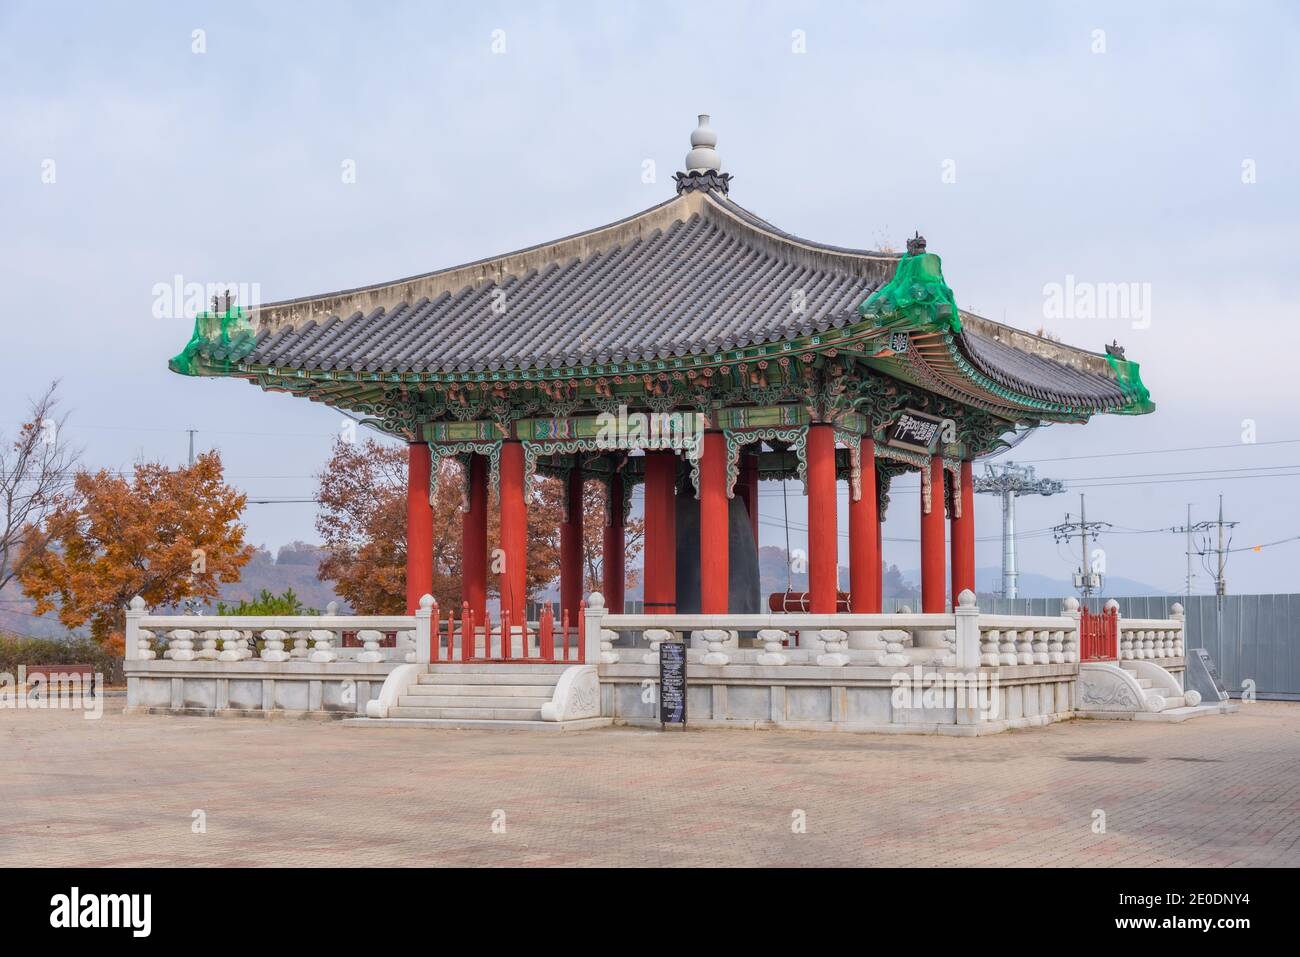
[(293, 566)]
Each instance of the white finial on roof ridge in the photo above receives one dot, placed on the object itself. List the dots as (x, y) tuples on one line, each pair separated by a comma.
[(703, 157)]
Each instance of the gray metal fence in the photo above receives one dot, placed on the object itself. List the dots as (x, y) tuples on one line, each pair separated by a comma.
[(1251, 637)]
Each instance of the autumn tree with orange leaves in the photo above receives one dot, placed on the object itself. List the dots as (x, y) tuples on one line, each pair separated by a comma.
[(165, 534), (362, 523)]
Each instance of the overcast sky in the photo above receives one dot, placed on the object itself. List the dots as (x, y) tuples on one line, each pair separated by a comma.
[(1026, 145)]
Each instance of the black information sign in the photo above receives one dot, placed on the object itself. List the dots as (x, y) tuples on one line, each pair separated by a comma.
[(1202, 676), (672, 682)]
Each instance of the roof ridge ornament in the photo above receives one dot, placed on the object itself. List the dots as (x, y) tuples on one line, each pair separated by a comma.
[(703, 165)]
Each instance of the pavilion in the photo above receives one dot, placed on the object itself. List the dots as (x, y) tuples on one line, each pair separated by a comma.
[(697, 349)]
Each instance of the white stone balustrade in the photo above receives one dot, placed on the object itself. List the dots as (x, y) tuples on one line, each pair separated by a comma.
[(964, 638), (215, 640), (1142, 639)]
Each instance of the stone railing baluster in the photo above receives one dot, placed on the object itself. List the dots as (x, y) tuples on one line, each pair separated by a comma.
[(370, 640), (273, 645), (1040, 648), (773, 640), (834, 645), (989, 643), (1056, 648), (323, 652), (180, 645), (656, 636)]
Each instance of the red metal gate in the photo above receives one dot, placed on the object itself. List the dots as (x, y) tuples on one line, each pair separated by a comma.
[(1099, 635), (561, 643)]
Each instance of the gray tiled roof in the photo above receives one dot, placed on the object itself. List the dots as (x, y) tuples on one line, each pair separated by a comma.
[(1039, 376), (692, 275)]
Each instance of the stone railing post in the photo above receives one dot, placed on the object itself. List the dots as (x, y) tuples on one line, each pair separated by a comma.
[(424, 637), (131, 649), (1180, 633), (1070, 644), (592, 628), (967, 631)]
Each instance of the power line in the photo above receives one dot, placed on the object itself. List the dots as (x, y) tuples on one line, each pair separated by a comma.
[(1190, 448)]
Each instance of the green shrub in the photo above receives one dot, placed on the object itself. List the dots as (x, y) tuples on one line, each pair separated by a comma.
[(268, 604), (17, 650)]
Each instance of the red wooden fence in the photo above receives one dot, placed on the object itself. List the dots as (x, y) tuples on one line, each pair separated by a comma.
[(568, 649), (1099, 635)]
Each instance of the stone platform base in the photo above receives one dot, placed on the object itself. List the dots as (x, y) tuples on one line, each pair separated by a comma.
[(1173, 716), (951, 730)]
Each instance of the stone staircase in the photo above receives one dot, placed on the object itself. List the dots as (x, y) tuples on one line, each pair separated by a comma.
[(1172, 697), (492, 696)]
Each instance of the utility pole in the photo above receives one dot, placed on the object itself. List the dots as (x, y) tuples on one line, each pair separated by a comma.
[(191, 432), (1188, 529), (1010, 480), (1220, 550), (1085, 579), (1220, 585)]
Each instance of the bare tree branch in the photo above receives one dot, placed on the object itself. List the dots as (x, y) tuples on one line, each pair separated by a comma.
[(36, 472)]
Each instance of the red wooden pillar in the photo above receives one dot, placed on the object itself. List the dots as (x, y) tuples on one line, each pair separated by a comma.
[(823, 539), (714, 546), (932, 558), (571, 556), (514, 532), (660, 533), (864, 536), (473, 540), (878, 583), (611, 561), (963, 537), (747, 488), (419, 526)]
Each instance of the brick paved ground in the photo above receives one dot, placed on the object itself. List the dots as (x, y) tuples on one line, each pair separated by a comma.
[(1215, 791)]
